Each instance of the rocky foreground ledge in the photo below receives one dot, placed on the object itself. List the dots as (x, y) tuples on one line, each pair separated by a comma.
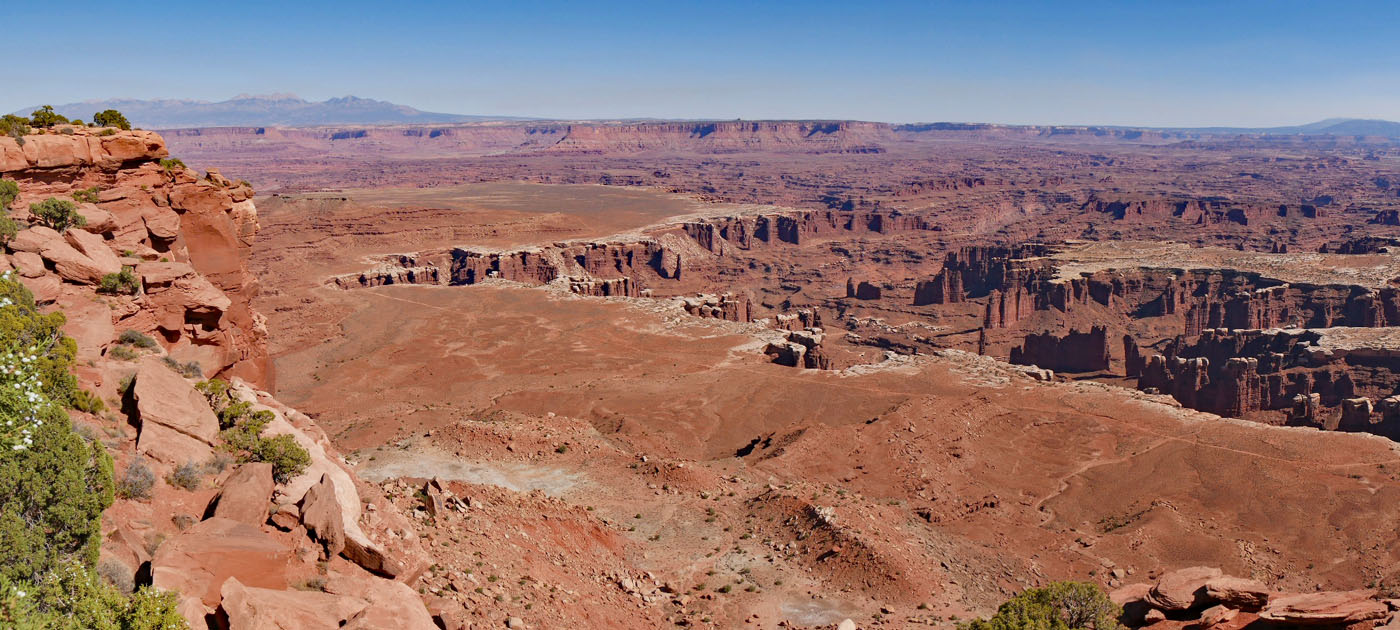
[(1204, 597)]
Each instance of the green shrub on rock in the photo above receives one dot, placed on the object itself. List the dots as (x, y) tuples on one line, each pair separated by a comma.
[(46, 117), (9, 191), (16, 127), (287, 457), (1058, 606), (123, 282), (111, 118), (59, 214)]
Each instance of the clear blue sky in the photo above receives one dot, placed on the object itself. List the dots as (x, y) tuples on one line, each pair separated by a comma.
[(1150, 63)]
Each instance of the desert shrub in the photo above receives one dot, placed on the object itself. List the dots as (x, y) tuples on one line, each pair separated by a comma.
[(123, 353), (189, 369), (123, 282), (149, 609), (9, 190), (287, 457), (111, 118), (46, 117), (136, 338), (218, 463), (124, 385), (15, 127), (53, 483), (172, 164), (188, 476), (136, 482), (234, 412), (116, 574), (76, 598), (1058, 606), (59, 214), (86, 195), (107, 132), (242, 437), (216, 391), (88, 402), (25, 333), (8, 230)]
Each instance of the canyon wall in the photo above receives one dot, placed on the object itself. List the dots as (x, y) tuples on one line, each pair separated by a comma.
[(1074, 352), (1236, 372)]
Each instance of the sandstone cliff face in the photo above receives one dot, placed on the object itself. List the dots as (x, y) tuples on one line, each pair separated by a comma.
[(1199, 211), (795, 228), (167, 224), (1074, 352), (1017, 281), (1234, 373)]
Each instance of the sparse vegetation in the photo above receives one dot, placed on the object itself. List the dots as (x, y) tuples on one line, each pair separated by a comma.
[(136, 338), (188, 369), (86, 195), (1058, 606), (242, 433), (16, 127), (123, 353), (9, 191), (136, 481), (59, 214), (187, 476), (287, 457), (88, 402), (172, 164), (46, 117), (123, 282)]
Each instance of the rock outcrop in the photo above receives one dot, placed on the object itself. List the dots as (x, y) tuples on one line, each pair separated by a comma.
[(1208, 597), (150, 213), (1074, 352), (1297, 373)]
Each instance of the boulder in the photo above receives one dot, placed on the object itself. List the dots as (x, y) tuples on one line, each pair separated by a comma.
[(1324, 608), (52, 150), (1133, 600), (1154, 616), (94, 247), (11, 156), (29, 264), (1216, 615), (197, 561), (34, 239), (169, 407), (321, 514), (96, 220), (1182, 589), (390, 604), (67, 260), (1238, 593), (88, 322), (163, 224), (46, 288), (252, 608), (247, 494)]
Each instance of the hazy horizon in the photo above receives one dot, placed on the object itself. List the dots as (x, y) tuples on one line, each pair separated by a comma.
[(1190, 64)]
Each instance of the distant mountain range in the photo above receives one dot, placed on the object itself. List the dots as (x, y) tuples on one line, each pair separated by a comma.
[(288, 110), (285, 110), (1331, 126)]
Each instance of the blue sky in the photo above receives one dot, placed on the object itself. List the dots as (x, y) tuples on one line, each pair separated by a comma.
[(1150, 63)]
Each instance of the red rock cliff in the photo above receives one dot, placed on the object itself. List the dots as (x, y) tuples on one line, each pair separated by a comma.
[(170, 226)]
